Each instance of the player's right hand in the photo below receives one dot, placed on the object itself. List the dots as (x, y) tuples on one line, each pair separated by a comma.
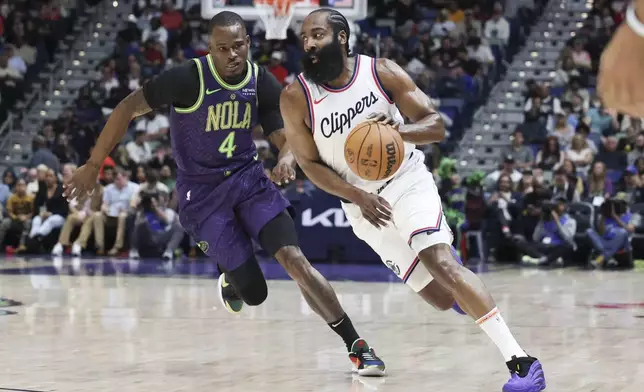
[(375, 209), (82, 183)]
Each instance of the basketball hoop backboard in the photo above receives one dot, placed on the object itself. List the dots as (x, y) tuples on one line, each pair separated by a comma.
[(351, 9)]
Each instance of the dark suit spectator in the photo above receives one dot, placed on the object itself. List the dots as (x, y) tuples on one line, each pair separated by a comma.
[(43, 155)]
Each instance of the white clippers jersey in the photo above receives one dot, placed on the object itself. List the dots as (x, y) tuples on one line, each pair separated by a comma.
[(334, 112)]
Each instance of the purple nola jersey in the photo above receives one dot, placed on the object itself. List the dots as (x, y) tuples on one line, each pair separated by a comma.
[(213, 138)]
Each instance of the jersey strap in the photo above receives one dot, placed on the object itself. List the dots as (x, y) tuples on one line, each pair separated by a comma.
[(309, 100), (201, 92), (376, 79)]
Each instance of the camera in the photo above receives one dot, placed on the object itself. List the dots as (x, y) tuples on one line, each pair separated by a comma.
[(547, 207), (618, 205), (146, 200)]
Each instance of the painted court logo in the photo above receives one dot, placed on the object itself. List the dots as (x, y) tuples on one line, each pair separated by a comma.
[(203, 245)]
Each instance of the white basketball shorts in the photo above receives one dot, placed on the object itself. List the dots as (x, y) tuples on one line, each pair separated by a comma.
[(417, 224)]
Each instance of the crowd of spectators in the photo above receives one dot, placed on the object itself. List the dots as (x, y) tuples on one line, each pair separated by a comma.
[(30, 32), (570, 150)]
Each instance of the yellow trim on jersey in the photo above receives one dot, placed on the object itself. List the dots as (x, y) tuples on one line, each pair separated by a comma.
[(221, 81), (256, 70), (201, 92)]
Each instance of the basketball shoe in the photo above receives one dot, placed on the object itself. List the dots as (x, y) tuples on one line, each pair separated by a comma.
[(228, 296), (526, 375), (365, 361)]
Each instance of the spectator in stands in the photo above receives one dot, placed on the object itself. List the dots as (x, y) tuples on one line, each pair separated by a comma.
[(505, 204), (632, 186), (455, 13), (156, 227), (155, 125), (469, 27), (563, 131), (151, 185), (15, 61), (51, 206), (575, 89), (565, 72), (615, 225), (497, 28), (117, 198), (508, 167), (43, 155), (637, 151), (543, 106), (550, 157), (81, 214), (20, 210), (108, 81), (602, 120), (612, 158), (575, 176), (522, 154), (9, 178), (156, 33), (442, 26), (11, 82), (584, 130), (5, 192), (553, 238), (599, 185), (166, 177), (171, 19), (64, 151), (276, 68), (579, 153), (565, 187), (580, 56), (34, 175), (477, 50), (139, 150)]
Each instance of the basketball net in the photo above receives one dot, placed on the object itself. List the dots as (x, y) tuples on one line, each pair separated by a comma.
[(276, 15)]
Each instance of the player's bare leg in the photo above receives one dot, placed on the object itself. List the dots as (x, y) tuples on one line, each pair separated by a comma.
[(321, 297), (472, 295)]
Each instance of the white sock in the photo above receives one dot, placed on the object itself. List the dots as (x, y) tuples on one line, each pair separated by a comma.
[(496, 329)]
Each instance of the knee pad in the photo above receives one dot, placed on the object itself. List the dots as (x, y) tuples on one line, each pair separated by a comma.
[(249, 282)]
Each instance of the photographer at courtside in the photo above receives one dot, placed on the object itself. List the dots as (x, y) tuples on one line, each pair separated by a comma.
[(612, 235), (156, 227), (553, 238)]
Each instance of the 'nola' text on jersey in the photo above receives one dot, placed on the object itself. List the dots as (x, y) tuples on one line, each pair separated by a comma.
[(341, 121)]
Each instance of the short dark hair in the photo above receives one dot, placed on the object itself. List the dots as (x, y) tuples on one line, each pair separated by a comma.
[(225, 19), (338, 23)]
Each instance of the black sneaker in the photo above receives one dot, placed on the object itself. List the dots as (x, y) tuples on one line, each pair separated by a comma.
[(6, 302), (228, 296)]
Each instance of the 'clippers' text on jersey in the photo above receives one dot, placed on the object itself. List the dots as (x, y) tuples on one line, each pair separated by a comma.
[(343, 121)]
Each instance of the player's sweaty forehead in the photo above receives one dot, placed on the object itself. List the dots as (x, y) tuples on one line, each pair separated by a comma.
[(228, 35)]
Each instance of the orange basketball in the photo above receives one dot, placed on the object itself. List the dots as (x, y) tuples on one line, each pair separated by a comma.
[(374, 151)]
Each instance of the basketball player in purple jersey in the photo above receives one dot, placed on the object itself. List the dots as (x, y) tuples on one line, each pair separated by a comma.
[(225, 199), (399, 217)]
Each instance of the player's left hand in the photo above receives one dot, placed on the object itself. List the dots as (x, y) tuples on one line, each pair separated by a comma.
[(283, 173), (620, 82), (384, 118)]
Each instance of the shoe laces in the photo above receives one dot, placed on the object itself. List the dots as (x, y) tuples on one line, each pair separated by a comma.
[(368, 355)]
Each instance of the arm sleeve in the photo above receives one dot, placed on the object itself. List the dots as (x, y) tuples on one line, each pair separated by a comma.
[(268, 98), (178, 86)]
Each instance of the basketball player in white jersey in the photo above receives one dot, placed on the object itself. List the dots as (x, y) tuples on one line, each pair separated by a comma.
[(400, 217), (620, 82)]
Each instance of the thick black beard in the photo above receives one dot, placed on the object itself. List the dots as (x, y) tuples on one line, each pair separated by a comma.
[(329, 66)]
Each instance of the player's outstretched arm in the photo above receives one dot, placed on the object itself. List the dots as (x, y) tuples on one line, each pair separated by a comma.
[(299, 137), (427, 125)]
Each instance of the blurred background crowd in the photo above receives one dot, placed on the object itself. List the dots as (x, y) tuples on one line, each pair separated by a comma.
[(568, 189)]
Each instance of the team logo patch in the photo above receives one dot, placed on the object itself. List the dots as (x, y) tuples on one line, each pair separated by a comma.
[(393, 266), (203, 245)]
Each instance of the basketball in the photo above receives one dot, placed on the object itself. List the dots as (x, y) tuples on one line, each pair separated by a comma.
[(374, 151)]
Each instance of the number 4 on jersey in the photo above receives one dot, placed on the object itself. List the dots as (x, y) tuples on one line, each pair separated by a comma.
[(228, 145)]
